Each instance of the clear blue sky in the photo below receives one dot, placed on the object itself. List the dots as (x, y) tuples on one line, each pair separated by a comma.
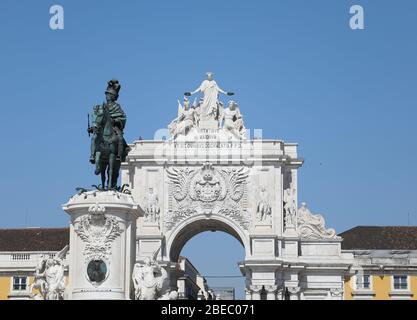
[(299, 73)]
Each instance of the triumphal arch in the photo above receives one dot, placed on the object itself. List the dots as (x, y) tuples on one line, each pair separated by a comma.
[(205, 172)]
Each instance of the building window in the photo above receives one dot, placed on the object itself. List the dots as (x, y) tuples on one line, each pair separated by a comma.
[(400, 282), (363, 281), (19, 283)]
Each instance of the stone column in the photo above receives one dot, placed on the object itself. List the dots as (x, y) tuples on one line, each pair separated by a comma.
[(256, 292), (248, 294), (280, 293), (271, 292), (102, 245)]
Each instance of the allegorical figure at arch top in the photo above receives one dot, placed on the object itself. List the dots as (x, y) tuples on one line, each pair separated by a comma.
[(187, 119), (210, 104), (233, 121)]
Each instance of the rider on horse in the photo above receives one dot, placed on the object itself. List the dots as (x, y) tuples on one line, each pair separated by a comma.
[(119, 120)]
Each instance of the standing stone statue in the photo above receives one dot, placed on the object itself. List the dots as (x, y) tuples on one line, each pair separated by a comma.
[(289, 207), (152, 207), (264, 210), (108, 147), (210, 90)]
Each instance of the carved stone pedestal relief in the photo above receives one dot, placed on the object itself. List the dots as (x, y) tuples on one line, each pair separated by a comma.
[(102, 242)]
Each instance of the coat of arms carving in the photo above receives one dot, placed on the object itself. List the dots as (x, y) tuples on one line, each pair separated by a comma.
[(98, 231), (207, 190)]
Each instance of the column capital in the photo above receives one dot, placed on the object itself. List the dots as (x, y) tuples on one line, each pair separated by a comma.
[(271, 288), (256, 288), (336, 292), (293, 290)]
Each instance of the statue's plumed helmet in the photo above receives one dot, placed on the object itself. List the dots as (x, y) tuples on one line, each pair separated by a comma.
[(113, 87)]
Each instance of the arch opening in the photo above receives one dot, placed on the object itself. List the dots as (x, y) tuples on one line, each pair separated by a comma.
[(210, 263), (194, 228)]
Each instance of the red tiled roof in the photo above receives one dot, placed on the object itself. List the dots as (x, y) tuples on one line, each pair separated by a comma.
[(361, 237), (380, 238), (34, 239)]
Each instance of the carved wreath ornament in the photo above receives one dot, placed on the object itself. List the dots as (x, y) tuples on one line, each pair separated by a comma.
[(207, 190), (98, 231)]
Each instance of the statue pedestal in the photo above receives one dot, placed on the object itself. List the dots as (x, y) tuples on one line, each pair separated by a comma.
[(209, 124), (102, 245)]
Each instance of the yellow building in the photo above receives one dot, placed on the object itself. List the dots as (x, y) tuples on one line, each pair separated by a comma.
[(385, 263)]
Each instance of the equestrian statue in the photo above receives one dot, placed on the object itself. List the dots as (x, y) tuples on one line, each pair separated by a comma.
[(108, 146)]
